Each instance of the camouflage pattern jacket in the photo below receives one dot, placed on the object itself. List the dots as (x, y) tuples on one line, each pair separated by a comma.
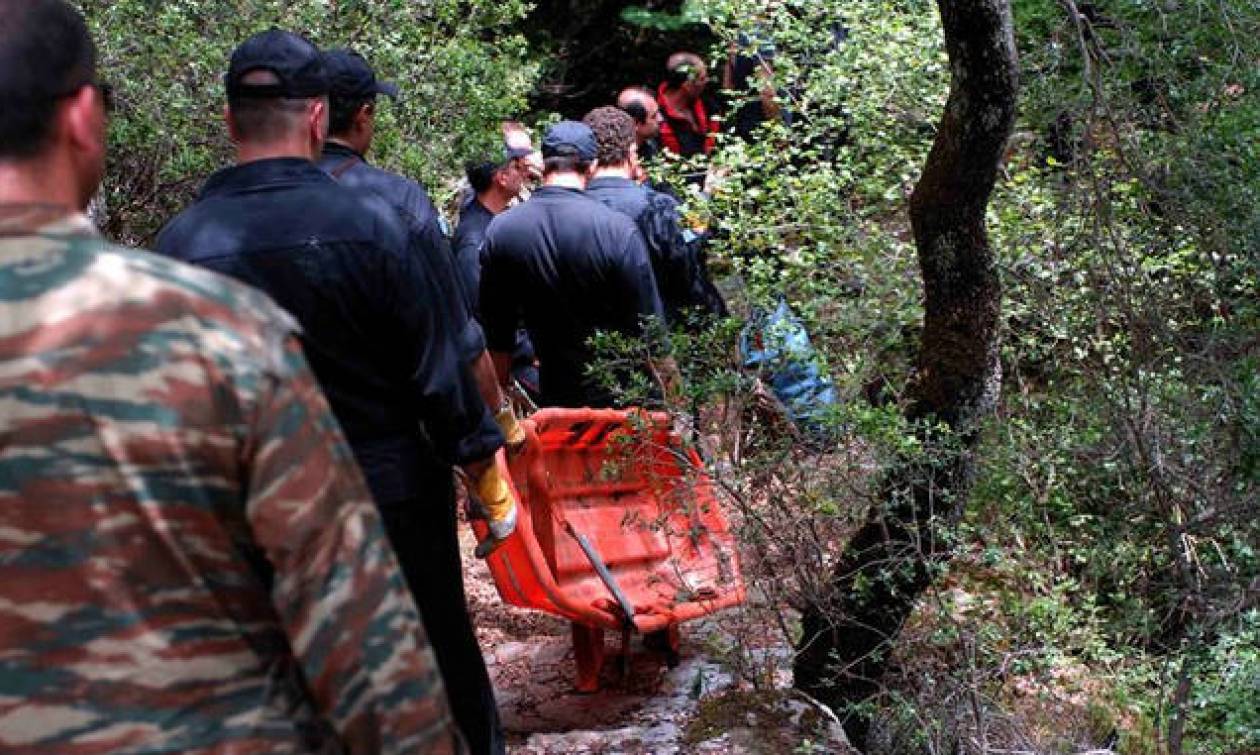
[(189, 558)]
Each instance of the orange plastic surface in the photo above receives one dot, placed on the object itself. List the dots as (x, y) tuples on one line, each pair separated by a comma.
[(622, 480)]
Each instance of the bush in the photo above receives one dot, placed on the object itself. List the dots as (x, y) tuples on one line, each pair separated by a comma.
[(461, 66)]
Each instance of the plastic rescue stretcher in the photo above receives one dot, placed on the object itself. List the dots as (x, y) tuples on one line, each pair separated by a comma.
[(619, 529)]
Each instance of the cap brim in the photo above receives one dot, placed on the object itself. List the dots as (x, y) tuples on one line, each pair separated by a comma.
[(512, 153), (387, 89)]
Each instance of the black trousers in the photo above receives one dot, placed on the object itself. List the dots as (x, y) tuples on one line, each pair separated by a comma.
[(423, 533)]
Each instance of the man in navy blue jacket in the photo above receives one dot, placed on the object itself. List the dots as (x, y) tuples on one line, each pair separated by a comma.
[(686, 291), (386, 346), (496, 182), (567, 267)]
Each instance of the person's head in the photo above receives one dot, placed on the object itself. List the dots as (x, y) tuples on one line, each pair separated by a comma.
[(277, 89), (501, 177), (614, 136), (517, 137), (52, 108), (569, 148), (686, 73), (643, 108), (352, 98)]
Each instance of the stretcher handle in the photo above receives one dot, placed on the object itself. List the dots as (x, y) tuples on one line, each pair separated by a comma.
[(600, 568)]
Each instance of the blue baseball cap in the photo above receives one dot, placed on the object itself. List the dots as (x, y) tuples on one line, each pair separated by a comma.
[(352, 78), (293, 59), (570, 139)]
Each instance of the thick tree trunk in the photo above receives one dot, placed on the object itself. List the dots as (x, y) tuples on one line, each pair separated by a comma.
[(893, 559)]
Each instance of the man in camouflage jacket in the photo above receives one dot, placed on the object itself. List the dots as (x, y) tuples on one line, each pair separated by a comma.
[(189, 558)]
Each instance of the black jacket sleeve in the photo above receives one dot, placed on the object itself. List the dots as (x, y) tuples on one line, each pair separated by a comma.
[(431, 336)]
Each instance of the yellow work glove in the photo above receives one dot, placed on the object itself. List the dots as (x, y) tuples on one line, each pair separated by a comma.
[(512, 430), (500, 505)]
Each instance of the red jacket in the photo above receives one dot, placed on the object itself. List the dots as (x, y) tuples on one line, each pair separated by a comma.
[(677, 133)]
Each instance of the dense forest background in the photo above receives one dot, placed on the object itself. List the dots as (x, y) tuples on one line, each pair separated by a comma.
[(1105, 584)]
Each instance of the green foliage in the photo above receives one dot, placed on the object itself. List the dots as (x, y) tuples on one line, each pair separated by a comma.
[(1113, 519), (1226, 703), (647, 18), (461, 66)]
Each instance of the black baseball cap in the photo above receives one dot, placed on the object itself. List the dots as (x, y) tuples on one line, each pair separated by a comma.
[(481, 172), (351, 77), (570, 139), (512, 153), (296, 62)]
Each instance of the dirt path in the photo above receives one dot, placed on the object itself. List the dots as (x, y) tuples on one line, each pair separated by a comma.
[(530, 657), (653, 710)]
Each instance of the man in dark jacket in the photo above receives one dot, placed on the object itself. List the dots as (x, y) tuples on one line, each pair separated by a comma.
[(567, 267), (352, 127), (686, 292), (495, 183), (376, 327), (351, 130)]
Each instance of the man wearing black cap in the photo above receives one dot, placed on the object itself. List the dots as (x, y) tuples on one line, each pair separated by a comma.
[(375, 323), (354, 89), (352, 126), (567, 267)]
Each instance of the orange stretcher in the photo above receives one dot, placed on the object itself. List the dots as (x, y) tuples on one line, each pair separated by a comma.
[(619, 529)]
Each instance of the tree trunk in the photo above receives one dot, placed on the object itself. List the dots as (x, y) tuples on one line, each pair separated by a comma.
[(893, 558)]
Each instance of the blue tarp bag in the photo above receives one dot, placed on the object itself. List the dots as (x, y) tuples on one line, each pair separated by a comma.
[(776, 344)]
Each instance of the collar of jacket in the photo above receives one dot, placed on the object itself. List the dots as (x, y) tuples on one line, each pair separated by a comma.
[(276, 171), (44, 220), (612, 182), (697, 109), (556, 191), (337, 149)]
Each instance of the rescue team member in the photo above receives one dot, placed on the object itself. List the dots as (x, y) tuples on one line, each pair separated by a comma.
[(431, 529), (517, 137), (374, 325), (687, 126), (567, 267), (352, 126), (686, 292), (643, 108), (189, 557), (495, 184)]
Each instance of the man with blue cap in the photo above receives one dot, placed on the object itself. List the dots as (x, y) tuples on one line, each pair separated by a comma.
[(567, 267), (376, 324)]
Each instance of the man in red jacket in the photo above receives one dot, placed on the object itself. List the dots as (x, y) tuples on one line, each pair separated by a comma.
[(687, 127)]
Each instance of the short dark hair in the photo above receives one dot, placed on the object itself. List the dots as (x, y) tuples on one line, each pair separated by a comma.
[(565, 164), (614, 134), (680, 67), (264, 119), (636, 111), (341, 112), (481, 175), (45, 54)]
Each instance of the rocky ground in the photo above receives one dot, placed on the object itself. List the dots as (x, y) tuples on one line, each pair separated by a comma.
[(697, 707)]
